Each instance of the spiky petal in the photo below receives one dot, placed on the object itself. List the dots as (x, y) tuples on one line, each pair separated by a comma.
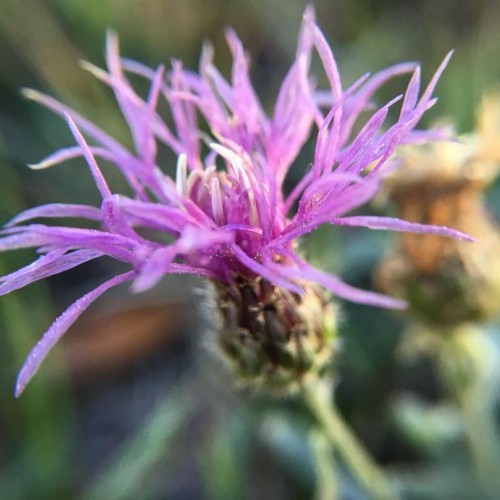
[(226, 212)]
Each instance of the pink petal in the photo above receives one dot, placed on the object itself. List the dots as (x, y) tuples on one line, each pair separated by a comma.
[(59, 328), (47, 265), (393, 224), (56, 210)]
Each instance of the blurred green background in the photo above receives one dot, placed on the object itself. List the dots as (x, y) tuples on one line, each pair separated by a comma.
[(130, 405)]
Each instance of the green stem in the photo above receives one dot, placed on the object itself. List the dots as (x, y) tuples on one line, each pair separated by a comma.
[(483, 442), (346, 444), (326, 483), (465, 363)]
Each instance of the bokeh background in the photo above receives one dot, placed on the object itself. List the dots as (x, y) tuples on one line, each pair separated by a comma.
[(132, 404)]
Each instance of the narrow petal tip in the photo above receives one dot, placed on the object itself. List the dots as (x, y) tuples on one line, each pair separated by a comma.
[(309, 15), (39, 166), (397, 304), (93, 69), (30, 94), (111, 37), (466, 237), (21, 382), (449, 55), (143, 283), (453, 233)]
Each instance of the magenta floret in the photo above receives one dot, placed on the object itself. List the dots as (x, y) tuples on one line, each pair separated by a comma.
[(233, 219)]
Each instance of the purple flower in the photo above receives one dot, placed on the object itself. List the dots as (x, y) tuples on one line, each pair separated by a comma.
[(226, 210)]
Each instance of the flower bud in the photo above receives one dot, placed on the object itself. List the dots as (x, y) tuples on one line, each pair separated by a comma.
[(445, 281), (273, 339)]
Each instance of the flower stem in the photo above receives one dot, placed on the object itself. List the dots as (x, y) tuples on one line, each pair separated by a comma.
[(326, 482), (351, 451), (469, 369), (482, 438)]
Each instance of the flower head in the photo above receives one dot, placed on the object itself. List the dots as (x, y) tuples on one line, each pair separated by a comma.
[(226, 211), (444, 282)]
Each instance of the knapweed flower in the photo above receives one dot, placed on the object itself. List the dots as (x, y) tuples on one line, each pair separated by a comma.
[(226, 212)]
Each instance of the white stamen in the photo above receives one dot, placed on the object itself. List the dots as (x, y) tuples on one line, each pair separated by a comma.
[(241, 175), (193, 178), (181, 175), (216, 196), (236, 163), (208, 173)]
